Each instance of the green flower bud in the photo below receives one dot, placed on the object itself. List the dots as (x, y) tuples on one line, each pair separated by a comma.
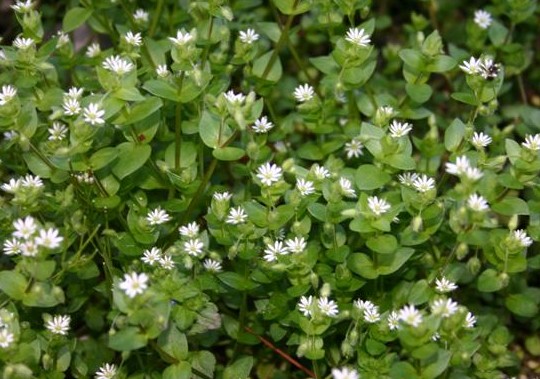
[(513, 222), (325, 290), (504, 278), (417, 224), (474, 265), (462, 250)]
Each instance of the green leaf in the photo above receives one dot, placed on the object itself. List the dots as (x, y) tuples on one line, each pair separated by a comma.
[(127, 339), (413, 58), (497, 33), (13, 284), (287, 6), (128, 94), (162, 89), (401, 161), (212, 131), (140, 111), (260, 64), (103, 157), (236, 281), (465, 97), (131, 157), (362, 265), (228, 153), (180, 370), (326, 64), (369, 177), (435, 369), (174, 343), (239, 369), (74, 18), (400, 370), (489, 281), (442, 63), (419, 93), (521, 305), (454, 135), (510, 206), (270, 29), (383, 244)]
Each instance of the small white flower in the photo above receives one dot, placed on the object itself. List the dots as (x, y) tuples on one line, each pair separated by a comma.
[(140, 15), (236, 216), (134, 39), (262, 125), (304, 93), (10, 135), (6, 338), (134, 284), (234, 98), (29, 248), (74, 93), (320, 172), (305, 305), (436, 336), (12, 246), (24, 228), (181, 38), (59, 324), (117, 65), (424, 183), (386, 111), (520, 236), (30, 181), (166, 262), (157, 216), (477, 203), (296, 245), (472, 67), (482, 18), (362, 305), (327, 307), (378, 206), (305, 187), (93, 50), (23, 43), (7, 94), (532, 142), (372, 315), (273, 250), (249, 36), (358, 37), (346, 188), (190, 230), (57, 132), (71, 107), (222, 196), (93, 114), (470, 320), (458, 168), (12, 186), (354, 148), (345, 373), (473, 173), (162, 71), (444, 308), (212, 265), (408, 178), (63, 39), (489, 69), (193, 247), (152, 256), (393, 320), (269, 173), (398, 129), (107, 371), (443, 285), (49, 238), (22, 6), (410, 315), (480, 140)]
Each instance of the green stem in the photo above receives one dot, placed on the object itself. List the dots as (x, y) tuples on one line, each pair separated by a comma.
[(178, 137), (41, 156), (156, 16), (522, 89), (317, 370), (207, 47)]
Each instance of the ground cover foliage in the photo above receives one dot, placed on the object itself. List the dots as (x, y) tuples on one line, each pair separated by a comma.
[(284, 189)]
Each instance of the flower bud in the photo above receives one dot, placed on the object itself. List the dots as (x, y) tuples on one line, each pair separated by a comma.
[(325, 290), (462, 250), (416, 224), (513, 222), (504, 278), (474, 265)]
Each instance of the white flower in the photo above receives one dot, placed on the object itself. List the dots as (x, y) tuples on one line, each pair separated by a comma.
[(344, 373), (408, 178), (273, 250), (520, 236), (480, 140), (10, 135), (489, 69), (107, 371), (436, 336), (385, 111), (327, 307), (305, 305), (74, 93), (30, 181), (358, 37), (152, 256), (190, 230), (7, 94), (305, 187), (23, 43), (443, 285), (378, 206), (372, 315), (140, 15), (12, 186), (262, 125), (12, 247), (222, 196), (166, 262), (354, 148), (71, 106), (458, 168), (444, 308), (296, 245), (93, 50), (29, 248), (477, 203), (472, 67), (181, 38), (320, 172), (162, 71), (424, 183), (63, 39), (117, 65), (234, 98), (236, 216), (133, 39), (470, 320), (157, 216), (58, 324), (410, 315), (346, 188), (6, 338), (24, 228), (473, 173), (532, 142), (393, 320), (57, 132), (482, 18), (93, 114), (212, 265), (49, 238), (269, 173), (193, 247), (249, 36), (362, 305), (304, 93), (398, 129), (22, 6), (134, 284)]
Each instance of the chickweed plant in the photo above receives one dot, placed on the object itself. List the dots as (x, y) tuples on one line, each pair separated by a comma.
[(334, 189)]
